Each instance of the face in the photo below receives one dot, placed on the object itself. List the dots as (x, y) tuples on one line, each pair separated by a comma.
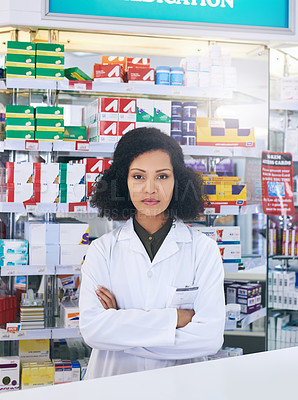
[(151, 182)]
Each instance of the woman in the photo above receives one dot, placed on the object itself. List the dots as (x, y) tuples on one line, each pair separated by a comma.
[(152, 290)]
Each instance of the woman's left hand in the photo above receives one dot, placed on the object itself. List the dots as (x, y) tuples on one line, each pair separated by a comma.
[(106, 298)]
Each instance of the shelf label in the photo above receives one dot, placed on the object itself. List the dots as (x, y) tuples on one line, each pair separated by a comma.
[(209, 211), (82, 145), (21, 334), (76, 269), (42, 270), (5, 335), (31, 145), (77, 207), (129, 88), (177, 91), (81, 85), (31, 208), (11, 271)]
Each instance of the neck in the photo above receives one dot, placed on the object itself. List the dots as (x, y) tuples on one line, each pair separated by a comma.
[(151, 224)]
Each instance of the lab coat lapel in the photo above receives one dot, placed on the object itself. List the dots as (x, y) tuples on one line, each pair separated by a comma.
[(135, 244)]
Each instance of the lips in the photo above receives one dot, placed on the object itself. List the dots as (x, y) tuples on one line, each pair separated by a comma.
[(150, 202)]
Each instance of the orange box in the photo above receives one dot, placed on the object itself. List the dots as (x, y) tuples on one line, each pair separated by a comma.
[(107, 60), (108, 73), (138, 62)]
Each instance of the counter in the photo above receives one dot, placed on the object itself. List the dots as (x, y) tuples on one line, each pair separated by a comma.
[(270, 375)]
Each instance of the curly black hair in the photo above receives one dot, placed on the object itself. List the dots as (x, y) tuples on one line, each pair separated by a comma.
[(111, 195)]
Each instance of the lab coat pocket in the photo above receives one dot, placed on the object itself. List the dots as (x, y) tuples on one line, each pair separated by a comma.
[(184, 297)]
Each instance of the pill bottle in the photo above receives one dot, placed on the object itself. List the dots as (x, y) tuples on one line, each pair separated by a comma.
[(188, 139), (176, 109), (189, 126), (176, 77), (189, 110), (233, 312), (176, 124), (177, 135), (162, 75)]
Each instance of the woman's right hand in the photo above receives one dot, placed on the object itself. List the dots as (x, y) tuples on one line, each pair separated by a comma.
[(184, 317)]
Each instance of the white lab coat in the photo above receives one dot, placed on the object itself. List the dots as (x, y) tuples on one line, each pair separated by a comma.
[(142, 333)]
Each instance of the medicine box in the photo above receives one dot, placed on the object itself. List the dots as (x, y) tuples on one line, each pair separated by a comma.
[(44, 254), (13, 246), (13, 259), (12, 111), (145, 110), (72, 193), (9, 373), (69, 315), (49, 73), (19, 172), (124, 127), (20, 72), (230, 253), (222, 234), (138, 62), (53, 62), (19, 60), (72, 254), (108, 108), (34, 350), (127, 110), (49, 49), (108, 60), (76, 74), (42, 233), (20, 124), (143, 75), (47, 124), (46, 192), (19, 192), (72, 133), (108, 73), (19, 135), (48, 173), (162, 111), (15, 47), (79, 234), (49, 112), (107, 131), (72, 173), (49, 136)]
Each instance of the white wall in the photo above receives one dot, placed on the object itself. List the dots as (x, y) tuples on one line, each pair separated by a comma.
[(23, 13)]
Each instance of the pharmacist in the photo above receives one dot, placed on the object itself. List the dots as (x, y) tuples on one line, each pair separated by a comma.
[(152, 289)]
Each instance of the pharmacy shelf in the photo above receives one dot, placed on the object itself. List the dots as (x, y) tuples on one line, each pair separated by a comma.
[(245, 333), (22, 145), (28, 270), (93, 149), (43, 208), (63, 333), (2, 84), (286, 105), (27, 334), (27, 83), (254, 274), (245, 320)]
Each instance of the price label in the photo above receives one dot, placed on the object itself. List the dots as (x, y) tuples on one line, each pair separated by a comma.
[(129, 89), (76, 269), (5, 335), (21, 334), (86, 85), (82, 145), (31, 208), (209, 211), (80, 209), (42, 270), (176, 91), (11, 271), (31, 145), (77, 207)]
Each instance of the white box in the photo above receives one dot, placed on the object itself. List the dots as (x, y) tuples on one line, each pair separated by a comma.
[(76, 193), (19, 172), (13, 246), (74, 234), (42, 233), (162, 111), (10, 373), (44, 254), (72, 254), (14, 259), (75, 174), (46, 193), (165, 128), (145, 110), (289, 281), (69, 314), (223, 234), (47, 173), (19, 192), (275, 283), (230, 252)]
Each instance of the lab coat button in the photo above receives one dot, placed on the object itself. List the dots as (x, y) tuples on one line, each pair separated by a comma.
[(150, 238), (149, 274)]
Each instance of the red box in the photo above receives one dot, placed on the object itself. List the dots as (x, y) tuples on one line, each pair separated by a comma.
[(108, 73), (141, 75), (108, 131), (138, 62), (125, 127), (109, 109), (108, 60), (94, 165), (128, 110)]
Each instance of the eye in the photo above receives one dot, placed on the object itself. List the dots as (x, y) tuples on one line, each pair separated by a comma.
[(162, 176), (137, 176)]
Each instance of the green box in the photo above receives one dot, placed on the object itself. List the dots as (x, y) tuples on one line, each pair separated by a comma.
[(75, 133), (47, 125), (49, 112), (63, 193), (19, 135), (19, 60), (48, 136), (76, 74), (20, 124), (49, 49), (20, 72), (50, 73), (49, 62), (14, 47), (19, 111)]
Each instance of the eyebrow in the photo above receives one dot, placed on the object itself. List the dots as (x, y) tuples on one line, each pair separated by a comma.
[(159, 170)]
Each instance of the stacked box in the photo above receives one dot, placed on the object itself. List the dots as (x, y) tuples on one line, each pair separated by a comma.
[(154, 114), (72, 183), (19, 122), (20, 60), (9, 373), (249, 296), (13, 252), (73, 133), (49, 123), (69, 314), (38, 373), (108, 73), (8, 308), (94, 167), (73, 248), (49, 61), (19, 181)]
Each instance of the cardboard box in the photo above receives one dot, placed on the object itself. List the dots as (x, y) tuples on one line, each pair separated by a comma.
[(72, 254), (49, 113), (108, 73), (107, 131), (108, 108), (222, 234), (20, 124), (49, 73), (162, 111), (21, 72), (46, 173), (13, 246), (230, 253), (9, 373), (108, 60), (138, 62), (72, 173), (128, 110), (13, 259), (79, 234), (49, 136), (19, 135), (76, 74), (46, 193), (42, 233), (33, 350), (19, 192), (72, 193), (145, 110), (49, 49), (52, 62), (19, 60), (12, 111), (124, 127), (141, 75), (69, 317), (72, 133), (41, 254), (49, 125), (15, 47), (19, 172)]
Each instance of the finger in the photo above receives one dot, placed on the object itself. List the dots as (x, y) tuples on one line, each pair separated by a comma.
[(106, 292), (103, 303), (106, 299)]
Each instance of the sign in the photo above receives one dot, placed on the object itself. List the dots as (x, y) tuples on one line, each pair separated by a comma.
[(277, 183), (265, 13)]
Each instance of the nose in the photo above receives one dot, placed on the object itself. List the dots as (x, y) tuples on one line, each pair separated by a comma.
[(150, 186)]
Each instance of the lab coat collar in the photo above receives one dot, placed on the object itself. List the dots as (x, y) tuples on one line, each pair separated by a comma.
[(178, 233)]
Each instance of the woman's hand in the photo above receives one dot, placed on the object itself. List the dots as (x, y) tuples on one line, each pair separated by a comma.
[(184, 317), (106, 298)]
